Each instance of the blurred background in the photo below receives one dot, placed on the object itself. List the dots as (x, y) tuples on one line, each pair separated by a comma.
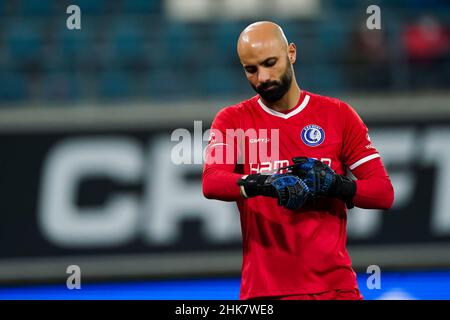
[(86, 123)]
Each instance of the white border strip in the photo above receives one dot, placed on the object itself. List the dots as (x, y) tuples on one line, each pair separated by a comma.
[(364, 160), (282, 115)]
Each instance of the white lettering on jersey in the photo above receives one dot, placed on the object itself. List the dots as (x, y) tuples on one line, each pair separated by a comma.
[(268, 166)]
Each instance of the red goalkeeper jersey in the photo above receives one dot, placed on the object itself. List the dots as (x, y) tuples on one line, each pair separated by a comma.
[(293, 252)]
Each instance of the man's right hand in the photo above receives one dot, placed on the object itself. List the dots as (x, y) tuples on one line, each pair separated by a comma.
[(290, 190)]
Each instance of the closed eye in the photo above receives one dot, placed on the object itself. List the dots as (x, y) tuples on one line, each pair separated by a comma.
[(269, 62), (250, 69)]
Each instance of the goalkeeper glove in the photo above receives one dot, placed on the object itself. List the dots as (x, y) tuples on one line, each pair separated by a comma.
[(323, 181), (290, 190)]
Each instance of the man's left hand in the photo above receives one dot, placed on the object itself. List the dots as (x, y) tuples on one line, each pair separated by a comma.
[(324, 181)]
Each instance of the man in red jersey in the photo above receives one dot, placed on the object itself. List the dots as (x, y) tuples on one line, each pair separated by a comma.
[(293, 220)]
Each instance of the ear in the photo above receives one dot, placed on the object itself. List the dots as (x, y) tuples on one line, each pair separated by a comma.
[(292, 52)]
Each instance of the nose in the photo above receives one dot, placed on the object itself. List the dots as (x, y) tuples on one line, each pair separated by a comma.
[(263, 75)]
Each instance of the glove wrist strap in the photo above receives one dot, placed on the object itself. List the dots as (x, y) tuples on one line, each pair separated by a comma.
[(240, 183), (344, 189)]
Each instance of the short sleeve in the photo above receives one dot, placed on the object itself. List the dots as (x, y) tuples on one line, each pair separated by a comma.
[(357, 145)]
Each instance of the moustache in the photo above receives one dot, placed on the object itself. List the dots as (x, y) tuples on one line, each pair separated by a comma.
[(267, 85)]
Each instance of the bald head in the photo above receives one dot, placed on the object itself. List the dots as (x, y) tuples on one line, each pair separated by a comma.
[(267, 59), (259, 36)]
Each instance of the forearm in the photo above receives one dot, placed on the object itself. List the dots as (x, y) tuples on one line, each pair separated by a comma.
[(373, 188), (220, 184), (374, 193)]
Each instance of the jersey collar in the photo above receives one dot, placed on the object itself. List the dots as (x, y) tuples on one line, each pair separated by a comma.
[(293, 112)]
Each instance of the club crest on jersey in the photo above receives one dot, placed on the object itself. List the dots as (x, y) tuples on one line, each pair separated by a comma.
[(312, 135)]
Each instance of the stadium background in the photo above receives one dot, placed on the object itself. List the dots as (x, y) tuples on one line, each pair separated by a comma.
[(86, 127)]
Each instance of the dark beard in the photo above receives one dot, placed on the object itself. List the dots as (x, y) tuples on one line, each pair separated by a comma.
[(280, 87)]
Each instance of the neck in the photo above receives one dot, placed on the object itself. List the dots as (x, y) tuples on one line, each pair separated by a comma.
[(288, 101)]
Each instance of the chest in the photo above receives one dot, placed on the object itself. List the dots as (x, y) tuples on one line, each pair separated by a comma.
[(271, 142)]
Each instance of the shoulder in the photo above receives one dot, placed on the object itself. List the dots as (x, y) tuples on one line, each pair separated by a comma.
[(332, 104), (236, 111), (326, 101)]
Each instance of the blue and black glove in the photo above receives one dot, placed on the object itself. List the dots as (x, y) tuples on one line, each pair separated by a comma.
[(323, 181), (290, 190)]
